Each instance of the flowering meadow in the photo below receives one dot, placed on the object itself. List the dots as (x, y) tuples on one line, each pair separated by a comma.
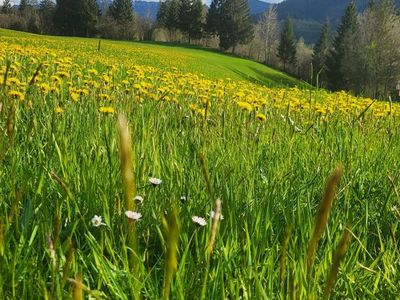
[(133, 170)]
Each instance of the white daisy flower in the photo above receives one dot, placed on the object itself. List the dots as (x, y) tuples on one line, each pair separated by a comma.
[(155, 181), (199, 220), (138, 199), (183, 199), (97, 221), (212, 214), (133, 215)]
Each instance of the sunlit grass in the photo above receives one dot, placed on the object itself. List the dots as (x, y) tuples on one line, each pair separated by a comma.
[(266, 152)]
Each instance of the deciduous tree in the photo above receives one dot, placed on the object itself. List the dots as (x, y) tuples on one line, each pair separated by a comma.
[(268, 31), (6, 9)]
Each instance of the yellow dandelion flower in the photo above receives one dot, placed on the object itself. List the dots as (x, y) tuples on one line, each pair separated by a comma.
[(54, 90), (75, 96), (83, 92), (56, 79), (106, 79), (201, 111), (14, 81), (44, 87), (93, 72), (16, 95), (105, 97), (245, 106), (62, 74), (58, 110), (106, 110), (261, 117)]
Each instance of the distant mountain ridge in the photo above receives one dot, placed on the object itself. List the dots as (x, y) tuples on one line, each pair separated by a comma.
[(308, 15), (318, 10), (150, 8)]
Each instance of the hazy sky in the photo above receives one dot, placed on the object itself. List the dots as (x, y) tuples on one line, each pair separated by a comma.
[(207, 1)]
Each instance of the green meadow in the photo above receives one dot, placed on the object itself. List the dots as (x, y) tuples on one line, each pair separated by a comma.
[(288, 184)]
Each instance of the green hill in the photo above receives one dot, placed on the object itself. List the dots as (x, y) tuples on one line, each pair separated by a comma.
[(187, 59)]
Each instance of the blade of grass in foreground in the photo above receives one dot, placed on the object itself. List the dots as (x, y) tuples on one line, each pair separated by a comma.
[(128, 180), (209, 250), (323, 212), (337, 258), (171, 227)]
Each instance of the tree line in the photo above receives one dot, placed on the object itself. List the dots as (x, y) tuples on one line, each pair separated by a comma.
[(362, 55), (75, 18), (228, 20)]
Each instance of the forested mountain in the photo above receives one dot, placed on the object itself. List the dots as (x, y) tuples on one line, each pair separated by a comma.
[(317, 10), (150, 8), (146, 8), (312, 10), (308, 15)]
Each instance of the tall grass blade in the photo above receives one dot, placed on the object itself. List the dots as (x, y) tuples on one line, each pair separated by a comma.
[(78, 288), (32, 81), (284, 249), (214, 227), (337, 258), (323, 212), (206, 176), (1, 237), (8, 65), (128, 181), (171, 227)]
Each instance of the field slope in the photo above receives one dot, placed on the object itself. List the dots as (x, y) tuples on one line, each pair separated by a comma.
[(198, 61), (112, 163)]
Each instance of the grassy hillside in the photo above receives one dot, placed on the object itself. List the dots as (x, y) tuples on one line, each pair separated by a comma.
[(114, 164), (198, 61)]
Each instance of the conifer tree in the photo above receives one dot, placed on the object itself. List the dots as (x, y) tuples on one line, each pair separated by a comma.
[(46, 5), (46, 14), (122, 11), (172, 15), (213, 17), (343, 51), (235, 26), (76, 17), (190, 18), (6, 9), (162, 13), (321, 51), (89, 12), (287, 45), (23, 6)]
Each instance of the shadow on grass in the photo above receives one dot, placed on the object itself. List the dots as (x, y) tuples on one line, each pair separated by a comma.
[(274, 78), (257, 76), (188, 46)]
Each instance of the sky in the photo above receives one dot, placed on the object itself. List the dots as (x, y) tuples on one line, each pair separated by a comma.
[(207, 1)]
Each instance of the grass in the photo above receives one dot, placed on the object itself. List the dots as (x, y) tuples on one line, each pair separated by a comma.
[(188, 59), (59, 169)]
